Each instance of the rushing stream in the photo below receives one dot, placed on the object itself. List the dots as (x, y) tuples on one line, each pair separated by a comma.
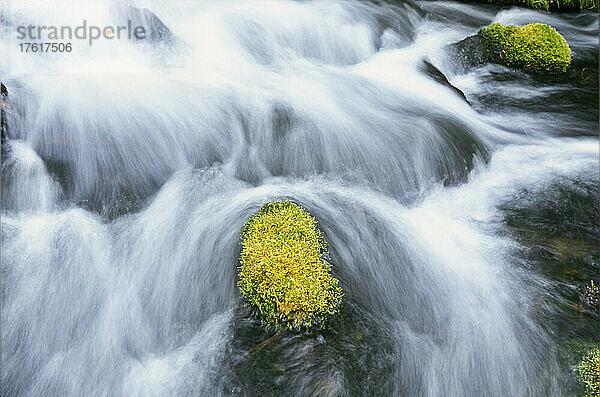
[(131, 167)]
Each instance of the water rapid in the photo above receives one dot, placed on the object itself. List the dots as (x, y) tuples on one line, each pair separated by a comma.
[(132, 166)]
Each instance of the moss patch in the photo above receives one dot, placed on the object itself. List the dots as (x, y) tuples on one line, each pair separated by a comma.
[(535, 47), (588, 372), (282, 273), (551, 5)]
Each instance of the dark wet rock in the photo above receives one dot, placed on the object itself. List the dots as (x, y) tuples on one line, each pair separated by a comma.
[(565, 210), (282, 120), (156, 31), (559, 233), (557, 229), (358, 340), (3, 123), (397, 16), (469, 52), (434, 73), (4, 97)]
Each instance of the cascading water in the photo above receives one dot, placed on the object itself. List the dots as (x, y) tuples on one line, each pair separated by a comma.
[(132, 166)]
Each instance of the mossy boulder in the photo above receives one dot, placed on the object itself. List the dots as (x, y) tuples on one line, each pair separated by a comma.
[(551, 5), (282, 273), (535, 47), (588, 372)]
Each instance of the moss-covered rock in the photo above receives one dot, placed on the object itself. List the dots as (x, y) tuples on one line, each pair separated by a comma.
[(588, 372), (535, 47), (551, 5), (282, 273)]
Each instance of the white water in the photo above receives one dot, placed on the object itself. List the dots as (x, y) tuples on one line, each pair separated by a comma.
[(120, 279)]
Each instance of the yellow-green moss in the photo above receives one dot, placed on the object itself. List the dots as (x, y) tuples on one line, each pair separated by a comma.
[(588, 372), (535, 47), (552, 5), (282, 273)]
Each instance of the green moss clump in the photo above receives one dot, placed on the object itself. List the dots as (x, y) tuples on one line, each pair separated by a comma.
[(552, 5), (535, 47), (282, 273), (588, 372)]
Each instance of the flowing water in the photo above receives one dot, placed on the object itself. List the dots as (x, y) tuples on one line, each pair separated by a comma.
[(132, 166)]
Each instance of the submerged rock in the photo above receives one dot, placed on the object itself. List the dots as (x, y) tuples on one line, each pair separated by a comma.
[(433, 72), (533, 48), (156, 31), (3, 97), (3, 123)]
